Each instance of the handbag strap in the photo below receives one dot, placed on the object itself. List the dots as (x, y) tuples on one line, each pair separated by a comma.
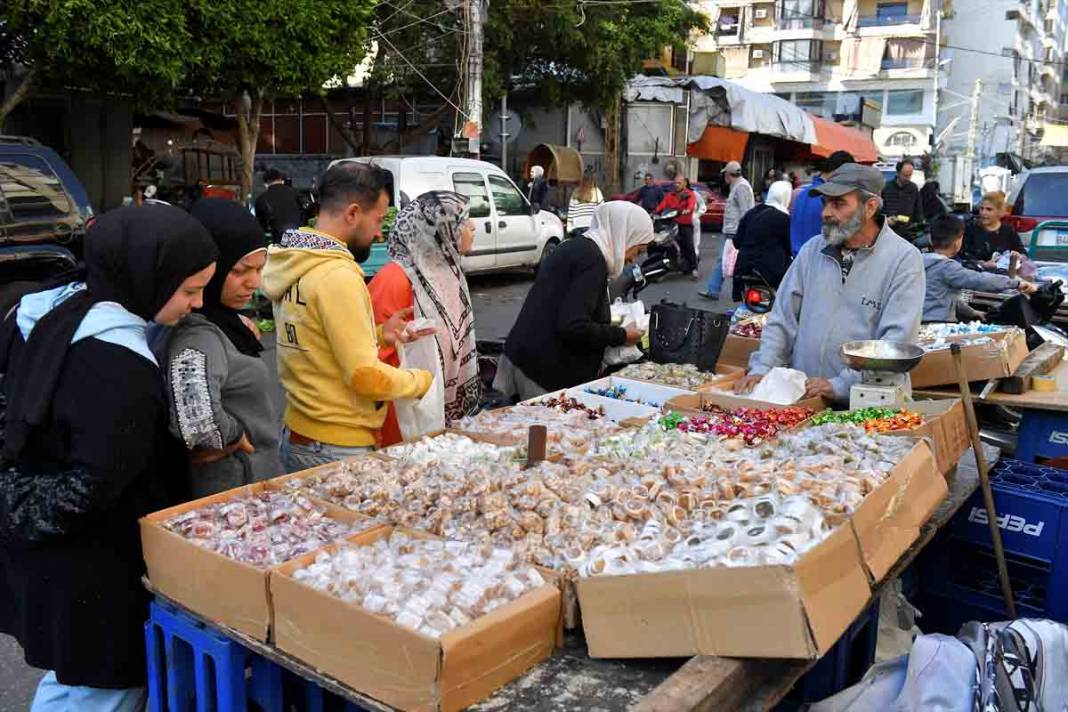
[(663, 339)]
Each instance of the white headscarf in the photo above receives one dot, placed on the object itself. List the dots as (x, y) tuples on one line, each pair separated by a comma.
[(616, 227), (779, 196)]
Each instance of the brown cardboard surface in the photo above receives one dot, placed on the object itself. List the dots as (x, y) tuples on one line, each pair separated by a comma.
[(692, 404), (736, 350), (888, 520), (760, 611), (996, 359), (225, 591), (399, 666), (944, 428)]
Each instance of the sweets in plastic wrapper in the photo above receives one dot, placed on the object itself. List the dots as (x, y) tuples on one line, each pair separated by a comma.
[(678, 375)]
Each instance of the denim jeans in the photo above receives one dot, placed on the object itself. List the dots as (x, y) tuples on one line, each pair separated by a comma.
[(53, 696), (296, 458), (715, 280)]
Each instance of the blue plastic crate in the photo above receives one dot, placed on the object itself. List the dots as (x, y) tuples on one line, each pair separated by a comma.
[(1032, 507), (842, 666), (193, 667), (1042, 434)]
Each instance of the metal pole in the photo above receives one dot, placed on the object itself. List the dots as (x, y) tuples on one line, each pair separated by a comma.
[(973, 132), (504, 132), (984, 480), (937, 59)]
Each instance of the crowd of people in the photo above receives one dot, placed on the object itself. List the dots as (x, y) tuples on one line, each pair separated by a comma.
[(136, 382)]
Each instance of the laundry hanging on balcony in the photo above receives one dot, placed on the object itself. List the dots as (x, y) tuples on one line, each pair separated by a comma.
[(735, 61), (862, 56)]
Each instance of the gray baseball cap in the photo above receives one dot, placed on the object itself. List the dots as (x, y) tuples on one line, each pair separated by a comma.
[(850, 177)]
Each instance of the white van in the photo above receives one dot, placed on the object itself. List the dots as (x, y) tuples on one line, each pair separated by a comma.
[(508, 236)]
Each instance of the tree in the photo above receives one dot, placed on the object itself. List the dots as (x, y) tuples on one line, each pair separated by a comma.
[(136, 49), (254, 50)]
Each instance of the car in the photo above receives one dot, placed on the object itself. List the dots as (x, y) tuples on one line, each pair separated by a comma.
[(1038, 196), (714, 202), (509, 233), (44, 210)]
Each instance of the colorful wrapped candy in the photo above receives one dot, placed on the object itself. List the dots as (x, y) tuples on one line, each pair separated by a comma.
[(751, 425), (874, 420)]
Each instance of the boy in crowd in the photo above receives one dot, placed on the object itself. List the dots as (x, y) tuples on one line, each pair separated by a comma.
[(946, 277)]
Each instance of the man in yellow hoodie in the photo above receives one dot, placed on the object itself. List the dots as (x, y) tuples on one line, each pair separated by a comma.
[(337, 390)]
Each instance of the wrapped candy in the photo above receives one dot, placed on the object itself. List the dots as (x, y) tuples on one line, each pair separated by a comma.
[(263, 529), (679, 375), (452, 448), (752, 425), (412, 581)]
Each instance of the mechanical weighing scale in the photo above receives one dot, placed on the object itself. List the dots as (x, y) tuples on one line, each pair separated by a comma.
[(884, 367)]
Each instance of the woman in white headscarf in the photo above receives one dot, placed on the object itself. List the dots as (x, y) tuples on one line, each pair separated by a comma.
[(559, 338), (763, 240), (426, 242)]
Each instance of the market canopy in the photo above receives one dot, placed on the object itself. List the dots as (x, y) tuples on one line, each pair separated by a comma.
[(718, 102), (833, 137), (719, 144), (561, 163)]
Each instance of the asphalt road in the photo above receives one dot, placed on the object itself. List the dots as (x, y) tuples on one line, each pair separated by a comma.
[(497, 300)]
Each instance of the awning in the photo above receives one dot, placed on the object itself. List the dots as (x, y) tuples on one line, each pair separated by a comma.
[(562, 164), (719, 102), (831, 137), (719, 144)]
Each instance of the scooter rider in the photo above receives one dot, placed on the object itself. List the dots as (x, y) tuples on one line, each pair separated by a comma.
[(860, 281), (683, 200)]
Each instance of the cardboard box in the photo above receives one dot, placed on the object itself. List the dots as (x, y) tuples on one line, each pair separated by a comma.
[(650, 394), (221, 589), (402, 667), (693, 404), (725, 377), (944, 428), (796, 611), (736, 350), (997, 358)]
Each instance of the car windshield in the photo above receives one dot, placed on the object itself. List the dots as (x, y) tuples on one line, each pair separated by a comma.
[(1043, 194)]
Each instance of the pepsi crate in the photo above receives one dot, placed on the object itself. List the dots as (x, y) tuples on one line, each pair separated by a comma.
[(1042, 435)]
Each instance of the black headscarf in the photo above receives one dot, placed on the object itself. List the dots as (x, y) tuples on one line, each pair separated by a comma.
[(135, 256), (237, 234), (932, 204)]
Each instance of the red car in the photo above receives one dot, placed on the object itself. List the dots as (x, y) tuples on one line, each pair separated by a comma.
[(714, 202)]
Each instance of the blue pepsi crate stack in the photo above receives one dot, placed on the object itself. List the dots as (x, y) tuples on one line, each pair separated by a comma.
[(958, 574)]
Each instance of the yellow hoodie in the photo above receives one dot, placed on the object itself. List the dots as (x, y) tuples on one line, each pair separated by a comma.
[(337, 390)]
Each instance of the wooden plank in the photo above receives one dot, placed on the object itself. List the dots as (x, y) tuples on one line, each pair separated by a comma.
[(1056, 401), (1039, 362), (712, 684)]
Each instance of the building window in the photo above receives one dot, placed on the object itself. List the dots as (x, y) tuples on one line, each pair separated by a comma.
[(728, 22), (1064, 98), (798, 55), (904, 139), (902, 102), (889, 13), (800, 14)]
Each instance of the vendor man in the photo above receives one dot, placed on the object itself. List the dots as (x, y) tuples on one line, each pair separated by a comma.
[(860, 281)]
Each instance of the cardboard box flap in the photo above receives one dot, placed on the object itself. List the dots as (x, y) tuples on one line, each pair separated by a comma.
[(498, 647), (751, 611), (368, 652), (834, 586), (923, 486), (724, 399)]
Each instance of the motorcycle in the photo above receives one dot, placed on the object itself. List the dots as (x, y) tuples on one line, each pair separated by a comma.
[(664, 256)]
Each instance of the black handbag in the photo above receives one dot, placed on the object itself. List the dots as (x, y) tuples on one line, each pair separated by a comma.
[(682, 334)]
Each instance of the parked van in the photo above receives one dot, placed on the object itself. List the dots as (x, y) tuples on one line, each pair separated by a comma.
[(509, 234)]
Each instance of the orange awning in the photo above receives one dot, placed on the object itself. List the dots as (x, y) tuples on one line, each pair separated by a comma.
[(719, 143), (833, 137)]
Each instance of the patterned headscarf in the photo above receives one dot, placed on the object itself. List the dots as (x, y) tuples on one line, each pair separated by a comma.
[(424, 242)]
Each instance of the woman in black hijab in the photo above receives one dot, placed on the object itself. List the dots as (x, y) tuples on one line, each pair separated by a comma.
[(87, 452), (218, 386)]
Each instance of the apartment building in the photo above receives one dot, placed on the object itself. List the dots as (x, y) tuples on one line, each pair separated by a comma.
[(868, 62), (1040, 92)]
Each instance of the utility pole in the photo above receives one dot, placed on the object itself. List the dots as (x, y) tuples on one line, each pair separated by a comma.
[(504, 131), (973, 132), (473, 73)]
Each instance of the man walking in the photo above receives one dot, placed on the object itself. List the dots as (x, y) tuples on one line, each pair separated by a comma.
[(901, 198), (683, 201), (806, 210), (278, 208), (740, 200), (859, 281), (337, 390), (650, 194)]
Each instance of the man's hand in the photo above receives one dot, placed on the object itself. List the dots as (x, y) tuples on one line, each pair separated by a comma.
[(1026, 287), (395, 329), (817, 387), (633, 335), (747, 383), (206, 456)]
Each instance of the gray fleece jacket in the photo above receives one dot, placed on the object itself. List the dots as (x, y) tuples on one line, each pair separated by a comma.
[(817, 310), (946, 278), (217, 394)]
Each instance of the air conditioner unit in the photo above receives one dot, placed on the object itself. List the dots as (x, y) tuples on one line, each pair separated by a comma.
[(831, 56), (760, 13), (758, 54)]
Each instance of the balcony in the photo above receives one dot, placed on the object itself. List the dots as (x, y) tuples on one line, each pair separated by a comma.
[(800, 23), (887, 20)]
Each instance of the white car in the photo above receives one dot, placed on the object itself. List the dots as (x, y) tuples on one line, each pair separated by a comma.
[(509, 235)]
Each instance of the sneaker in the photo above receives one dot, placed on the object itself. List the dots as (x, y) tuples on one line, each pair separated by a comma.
[(706, 295), (695, 275)]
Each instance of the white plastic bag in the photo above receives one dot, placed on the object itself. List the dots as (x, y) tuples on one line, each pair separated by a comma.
[(782, 386), (730, 257), (420, 416), (630, 314)]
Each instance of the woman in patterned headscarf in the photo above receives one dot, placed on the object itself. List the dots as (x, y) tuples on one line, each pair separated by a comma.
[(425, 245)]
